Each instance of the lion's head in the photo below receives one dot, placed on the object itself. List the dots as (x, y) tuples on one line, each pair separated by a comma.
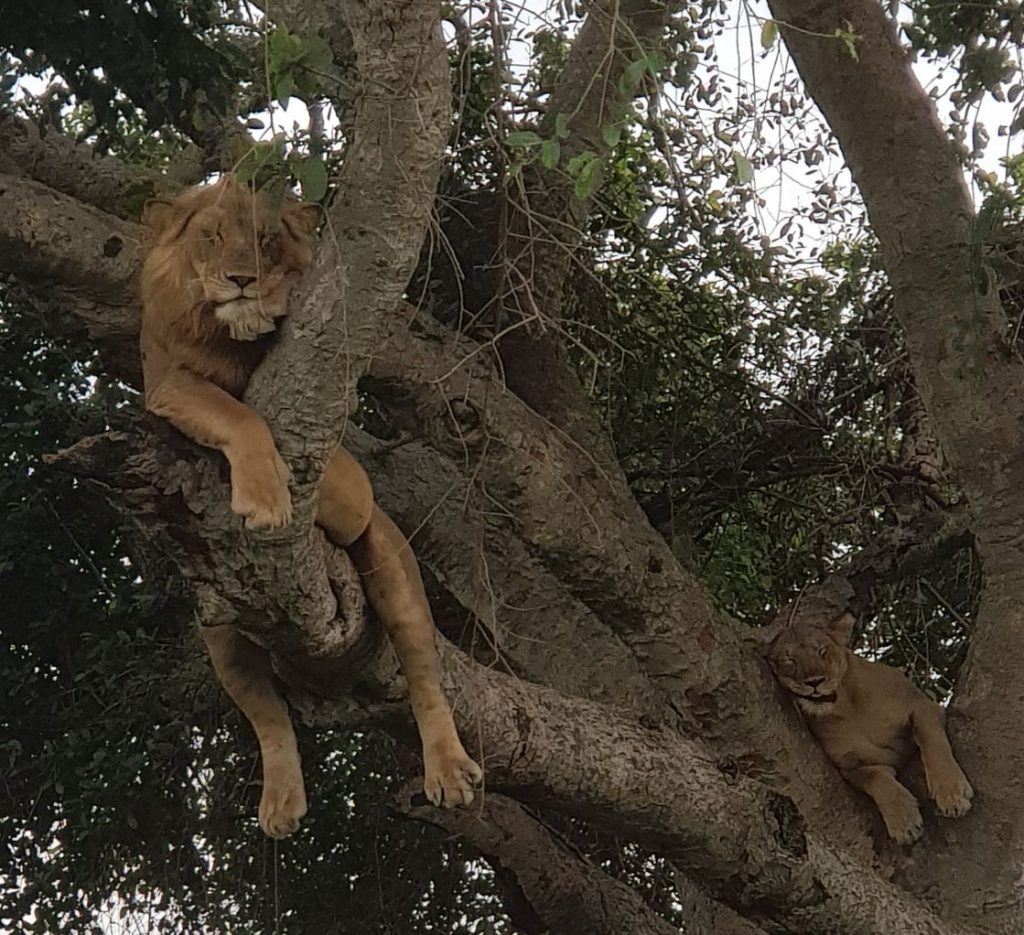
[(232, 254), (811, 662)]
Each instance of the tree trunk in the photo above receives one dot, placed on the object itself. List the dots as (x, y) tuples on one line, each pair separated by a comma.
[(971, 382)]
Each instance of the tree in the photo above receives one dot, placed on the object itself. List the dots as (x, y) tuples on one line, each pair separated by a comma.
[(616, 441)]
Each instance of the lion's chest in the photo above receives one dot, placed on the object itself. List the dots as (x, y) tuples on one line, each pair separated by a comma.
[(230, 364), (867, 733)]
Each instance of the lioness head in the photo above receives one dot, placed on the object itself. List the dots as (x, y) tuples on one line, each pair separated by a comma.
[(810, 662), (231, 251)]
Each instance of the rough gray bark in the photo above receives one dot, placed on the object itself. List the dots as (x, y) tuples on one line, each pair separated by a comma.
[(376, 223), (971, 382), (65, 166)]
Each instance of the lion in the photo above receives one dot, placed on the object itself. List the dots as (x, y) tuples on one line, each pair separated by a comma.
[(868, 717), (221, 264)]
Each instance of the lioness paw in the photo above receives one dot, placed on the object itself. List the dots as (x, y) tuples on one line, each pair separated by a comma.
[(259, 493), (283, 802), (952, 794), (449, 775), (903, 824)]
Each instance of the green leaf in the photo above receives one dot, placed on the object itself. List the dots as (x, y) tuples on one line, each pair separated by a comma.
[(311, 174), (611, 136), (849, 39), (578, 161), (769, 33), (550, 153), (259, 158), (284, 88), (316, 53), (514, 169), (562, 127), (277, 45), (588, 176), (523, 138), (632, 76), (744, 168), (655, 64)]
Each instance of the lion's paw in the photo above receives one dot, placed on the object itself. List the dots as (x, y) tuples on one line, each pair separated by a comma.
[(283, 802), (903, 822), (449, 774), (259, 493), (952, 794)]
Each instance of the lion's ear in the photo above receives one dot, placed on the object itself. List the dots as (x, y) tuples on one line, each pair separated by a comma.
[(301, 217), (157, 211)]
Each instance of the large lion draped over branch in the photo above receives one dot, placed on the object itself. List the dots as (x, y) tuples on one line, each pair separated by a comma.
[(221, 264)]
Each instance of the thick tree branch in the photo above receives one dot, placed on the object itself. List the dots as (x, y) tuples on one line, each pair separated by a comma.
[(545, 219), (566, 891), (385, 194), (74, 169), (971, 382)]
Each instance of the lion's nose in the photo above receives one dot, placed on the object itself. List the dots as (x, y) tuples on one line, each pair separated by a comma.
[(242, 281), (816, 681)]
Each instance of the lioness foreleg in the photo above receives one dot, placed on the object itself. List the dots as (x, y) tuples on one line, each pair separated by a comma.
[(898, 807), (206, 413), (244, 670), (947, 784), (394, 588)]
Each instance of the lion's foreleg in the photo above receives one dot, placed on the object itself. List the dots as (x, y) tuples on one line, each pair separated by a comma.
[(899, 808), (947, 784), (244, 670), (394, 588), (205, 412)]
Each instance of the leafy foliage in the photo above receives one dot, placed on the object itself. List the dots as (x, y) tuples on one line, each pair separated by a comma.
[(167, 58)]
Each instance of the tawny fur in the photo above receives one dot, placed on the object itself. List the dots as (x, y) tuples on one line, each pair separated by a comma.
[(870, 720), (216, 280)]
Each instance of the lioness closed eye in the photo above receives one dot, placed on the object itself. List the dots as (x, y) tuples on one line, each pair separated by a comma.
[(216, 279), (868, 716)]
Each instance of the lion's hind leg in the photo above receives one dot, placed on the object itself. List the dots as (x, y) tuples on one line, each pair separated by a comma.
[(244, 670), (394, 588)]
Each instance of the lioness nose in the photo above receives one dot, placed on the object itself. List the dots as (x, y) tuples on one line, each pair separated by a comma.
[(816, 681), (242, 281)]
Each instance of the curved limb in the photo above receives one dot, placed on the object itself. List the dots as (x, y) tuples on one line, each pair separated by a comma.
[(899, 808), (213, 417), (947, 784), (394, 588), (244, 670)]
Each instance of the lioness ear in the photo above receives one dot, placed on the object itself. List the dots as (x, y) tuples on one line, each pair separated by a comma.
[(841, 629), (761, 639), (301, 217)]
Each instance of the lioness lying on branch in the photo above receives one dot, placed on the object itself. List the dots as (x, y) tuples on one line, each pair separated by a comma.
[(217, 276), (868, 716)]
